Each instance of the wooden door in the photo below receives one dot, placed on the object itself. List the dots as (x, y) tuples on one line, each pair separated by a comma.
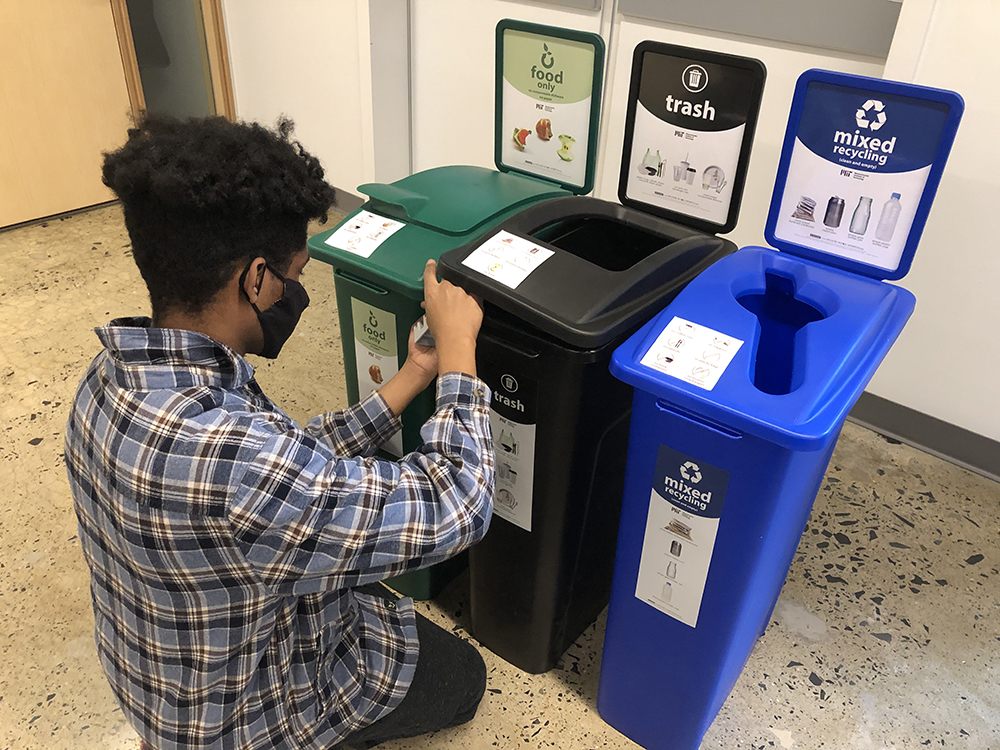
[(63, 101)]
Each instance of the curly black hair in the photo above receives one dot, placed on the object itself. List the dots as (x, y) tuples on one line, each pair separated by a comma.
[(204, 196)]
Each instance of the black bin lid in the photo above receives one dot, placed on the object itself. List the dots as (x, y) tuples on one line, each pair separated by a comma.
[(604, 267)]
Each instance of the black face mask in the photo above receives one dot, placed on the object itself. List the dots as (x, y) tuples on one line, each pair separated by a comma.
[(279, 320)]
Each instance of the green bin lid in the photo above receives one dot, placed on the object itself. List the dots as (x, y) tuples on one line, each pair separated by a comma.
[(455, 199)]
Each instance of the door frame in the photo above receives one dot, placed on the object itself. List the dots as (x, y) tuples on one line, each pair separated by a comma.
[(216, 51)]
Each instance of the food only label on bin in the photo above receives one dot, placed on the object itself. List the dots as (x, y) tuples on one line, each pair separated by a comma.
[(362, 234), (692, 352), (376, 355), (685, 505), (547, 97), (513, 417), (507, 258)]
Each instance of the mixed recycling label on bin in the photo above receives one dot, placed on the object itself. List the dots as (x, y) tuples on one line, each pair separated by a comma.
[(513, 416), (375, 355), (858, 168), (685, 504), (689, 126), (692, 352), (507, 258), (362, 234)]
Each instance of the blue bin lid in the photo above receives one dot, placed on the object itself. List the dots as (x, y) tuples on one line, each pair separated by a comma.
[(838, 355), (860, 164)]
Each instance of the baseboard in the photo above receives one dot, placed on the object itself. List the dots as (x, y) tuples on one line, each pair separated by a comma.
[(345, 202), (931, 435)]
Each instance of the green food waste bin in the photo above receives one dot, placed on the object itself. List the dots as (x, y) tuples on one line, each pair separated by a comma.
[(378, 297), (379, 251)]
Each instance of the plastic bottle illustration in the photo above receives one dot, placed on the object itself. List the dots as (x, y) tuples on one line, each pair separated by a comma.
[(887, 221), (666, 592), (859, 221)]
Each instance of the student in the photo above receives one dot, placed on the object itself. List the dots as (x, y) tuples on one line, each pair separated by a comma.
[(234, 554)]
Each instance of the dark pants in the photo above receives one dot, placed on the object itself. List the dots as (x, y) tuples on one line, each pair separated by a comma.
[(447, 686)]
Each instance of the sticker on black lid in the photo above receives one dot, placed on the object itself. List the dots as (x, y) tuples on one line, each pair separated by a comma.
[(507, 258)]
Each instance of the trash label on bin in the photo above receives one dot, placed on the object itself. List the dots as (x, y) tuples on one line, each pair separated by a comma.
[(513, 419), (507, 258), (363, 233), (692, 352), (376, 355), (685, 504), (688, 137)]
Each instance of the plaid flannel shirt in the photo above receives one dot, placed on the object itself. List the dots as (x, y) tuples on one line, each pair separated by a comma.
[(224, 540)]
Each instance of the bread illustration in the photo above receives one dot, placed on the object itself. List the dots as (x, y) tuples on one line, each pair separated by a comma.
[(375, 373)]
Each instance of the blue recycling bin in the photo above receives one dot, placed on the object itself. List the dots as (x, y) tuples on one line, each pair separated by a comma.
[(742, 385), (719, 484)]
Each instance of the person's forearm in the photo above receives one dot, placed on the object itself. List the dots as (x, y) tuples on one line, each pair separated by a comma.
[(459, 356), (403, 387)]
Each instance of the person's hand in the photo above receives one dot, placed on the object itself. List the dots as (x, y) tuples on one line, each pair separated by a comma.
[(454, 317), (417, 372), (423, 360)]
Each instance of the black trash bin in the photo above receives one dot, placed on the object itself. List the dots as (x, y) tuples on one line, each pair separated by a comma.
[(564, 282), (560, 421)]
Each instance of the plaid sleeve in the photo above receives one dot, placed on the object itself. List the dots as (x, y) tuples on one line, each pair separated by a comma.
[(359, 430), (308, 521)]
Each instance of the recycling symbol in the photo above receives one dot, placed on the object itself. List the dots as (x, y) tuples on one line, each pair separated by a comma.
[(691, 472), (862, 115)]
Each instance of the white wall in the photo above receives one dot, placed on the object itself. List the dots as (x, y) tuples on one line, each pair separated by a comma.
[(303, 58), (947, 362), (453, 73), (309, 58)]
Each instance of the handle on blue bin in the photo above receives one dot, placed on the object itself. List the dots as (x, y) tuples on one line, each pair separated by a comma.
[(408, 201)]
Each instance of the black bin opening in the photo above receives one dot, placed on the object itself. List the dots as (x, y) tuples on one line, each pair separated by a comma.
[(612, 245)]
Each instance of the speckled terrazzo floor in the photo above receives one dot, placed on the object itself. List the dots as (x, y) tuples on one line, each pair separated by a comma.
[(886, 636)]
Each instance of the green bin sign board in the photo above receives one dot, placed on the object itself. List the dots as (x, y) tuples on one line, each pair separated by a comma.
[(548, 100)]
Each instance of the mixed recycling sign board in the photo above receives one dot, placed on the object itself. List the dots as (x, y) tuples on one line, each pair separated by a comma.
[(861, 162)]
